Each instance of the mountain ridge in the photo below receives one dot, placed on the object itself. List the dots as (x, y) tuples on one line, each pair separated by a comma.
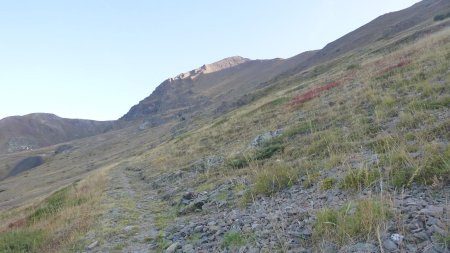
[(35, 130), (216, 88)]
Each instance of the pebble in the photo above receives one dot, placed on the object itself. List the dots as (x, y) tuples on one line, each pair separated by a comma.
[(174, 246), (389, 245), (188, 248), (92, 245)]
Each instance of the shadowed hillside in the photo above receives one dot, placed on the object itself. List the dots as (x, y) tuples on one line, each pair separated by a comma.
[(37, 130)]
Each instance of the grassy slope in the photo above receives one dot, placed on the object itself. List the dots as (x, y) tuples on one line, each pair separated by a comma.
[(389, 103), (385, 102), (55, 223)]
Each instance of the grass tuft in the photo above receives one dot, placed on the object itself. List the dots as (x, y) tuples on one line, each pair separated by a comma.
[(22, 241), (233, 238), (359, 179), (272, 179), (352, 221), (328, 183)]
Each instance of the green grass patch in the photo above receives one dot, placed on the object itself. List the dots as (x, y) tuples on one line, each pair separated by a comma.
[(401, 167), (353, 66), (442, 130), (443, 240), (237, 162), (384, 144), (311, 179), (352, 222), (268, 150), (194, 238), (436, 166), (442, 102), (161, 242), (274, 178), (273, 103), (408, 120), (304, 127), (359, 179), (328, 183), (233, 238), (53, 204), (163, 214), (22, 241), (327, 143)]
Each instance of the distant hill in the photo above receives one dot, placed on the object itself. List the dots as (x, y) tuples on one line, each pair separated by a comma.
[(37, 130)]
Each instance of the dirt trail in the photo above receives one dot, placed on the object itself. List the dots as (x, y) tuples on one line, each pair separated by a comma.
[(127, 223)]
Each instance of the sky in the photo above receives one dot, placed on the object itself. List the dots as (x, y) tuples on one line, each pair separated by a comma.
[(94, 59)]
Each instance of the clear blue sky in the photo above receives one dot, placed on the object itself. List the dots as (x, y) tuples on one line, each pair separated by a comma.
[(96, 58)]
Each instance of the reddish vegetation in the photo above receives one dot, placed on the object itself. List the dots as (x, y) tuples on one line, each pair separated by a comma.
[(388, 64), (17, 224), (401, 63), (317, 91)]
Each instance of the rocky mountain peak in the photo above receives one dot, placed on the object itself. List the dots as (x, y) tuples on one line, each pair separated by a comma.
[(211, 68)]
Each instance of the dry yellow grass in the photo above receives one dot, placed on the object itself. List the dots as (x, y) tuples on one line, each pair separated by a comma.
[(57, 222)]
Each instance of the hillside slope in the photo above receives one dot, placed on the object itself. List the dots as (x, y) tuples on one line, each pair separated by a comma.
[(382, 28), (210, 90), (349, 154), (37, 130)]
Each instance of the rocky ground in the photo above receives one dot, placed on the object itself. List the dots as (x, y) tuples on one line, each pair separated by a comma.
[(211, 221)]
